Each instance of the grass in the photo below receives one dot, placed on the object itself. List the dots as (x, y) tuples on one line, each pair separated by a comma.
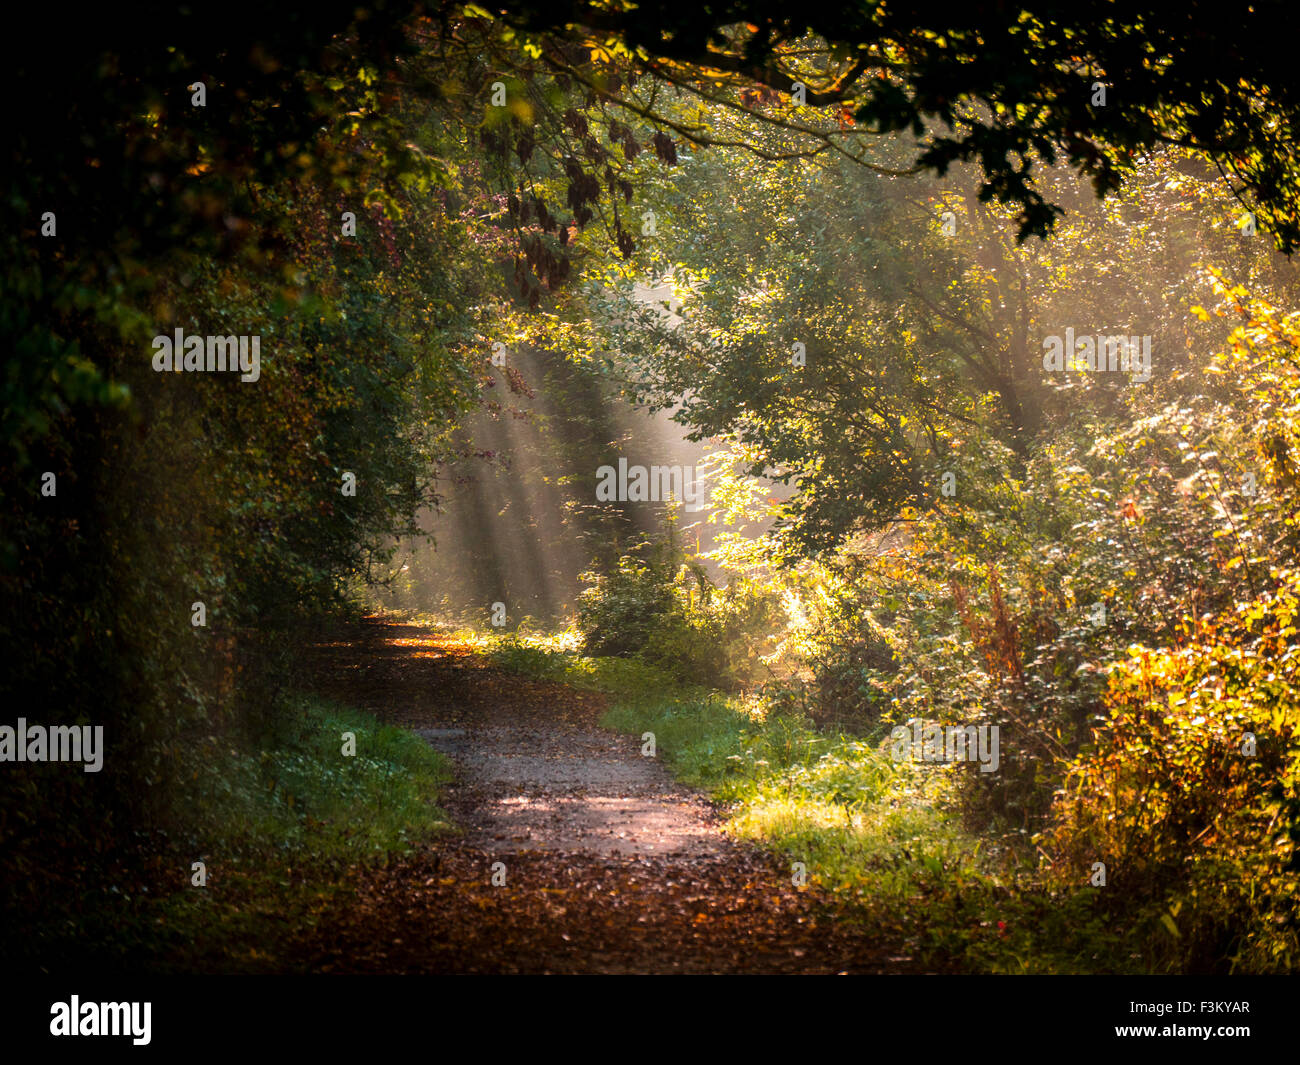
[(279, 831), (304, 794)]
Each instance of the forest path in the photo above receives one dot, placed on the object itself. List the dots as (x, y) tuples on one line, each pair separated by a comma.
[(609, 865)]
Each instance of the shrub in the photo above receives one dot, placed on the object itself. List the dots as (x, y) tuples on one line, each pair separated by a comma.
[(659, 604), (1191, 793)]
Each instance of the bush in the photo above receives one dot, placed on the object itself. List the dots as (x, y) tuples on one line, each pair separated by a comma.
[(659, 605), (620, 612), (652, 606), (1191, 794)]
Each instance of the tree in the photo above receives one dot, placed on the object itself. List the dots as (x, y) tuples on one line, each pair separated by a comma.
[(1006, 87)]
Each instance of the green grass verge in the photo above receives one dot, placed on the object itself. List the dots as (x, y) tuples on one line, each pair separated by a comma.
[(303, 794), (280, 831)]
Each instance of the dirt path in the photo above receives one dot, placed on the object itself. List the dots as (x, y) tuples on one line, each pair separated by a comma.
[(609, 865)]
